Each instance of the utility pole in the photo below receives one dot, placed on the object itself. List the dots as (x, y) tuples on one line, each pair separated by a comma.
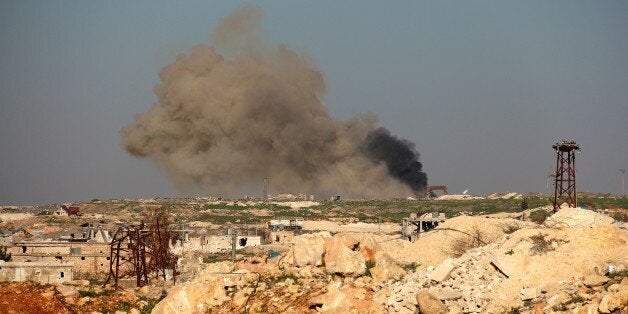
[(622, 172), (234, 239), (265, 196), (550, 175)]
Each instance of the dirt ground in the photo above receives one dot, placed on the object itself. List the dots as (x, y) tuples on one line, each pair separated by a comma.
[(29, 298)]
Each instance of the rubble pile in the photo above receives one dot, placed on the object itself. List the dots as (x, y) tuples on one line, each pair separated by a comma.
[(434, 247), (530, 266), (517, 266)]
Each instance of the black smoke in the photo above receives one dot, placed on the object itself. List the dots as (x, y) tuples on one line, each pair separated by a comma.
[(400, 158)]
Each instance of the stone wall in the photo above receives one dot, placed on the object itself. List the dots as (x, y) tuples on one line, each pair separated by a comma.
[(214, 243), (43, 273), (282, 237), (88, 258)]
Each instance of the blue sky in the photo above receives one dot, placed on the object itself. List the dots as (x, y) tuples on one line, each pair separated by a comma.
[(484, 88)]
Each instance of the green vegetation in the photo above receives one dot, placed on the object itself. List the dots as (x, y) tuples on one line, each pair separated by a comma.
[(539, 216), (564, 306), (369, 211), (281, 278), (56, 220), (123, 306), (96, 281), (150, 304), (620, 217), (475, 238), (410, 266), (618, 274), (379, 211), (93, 293), (243, 218), (223, 205), (514, 310), (369, 265), (604, 202), (540, 245)]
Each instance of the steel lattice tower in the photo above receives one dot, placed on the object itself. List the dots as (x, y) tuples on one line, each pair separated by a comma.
[(565, 176)]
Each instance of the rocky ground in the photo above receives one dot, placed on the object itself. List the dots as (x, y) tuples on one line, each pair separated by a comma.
[(574, 262)]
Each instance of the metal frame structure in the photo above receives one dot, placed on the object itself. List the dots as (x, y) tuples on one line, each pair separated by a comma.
[(412, 227), (565, 175), (431, 188), (141, 253)]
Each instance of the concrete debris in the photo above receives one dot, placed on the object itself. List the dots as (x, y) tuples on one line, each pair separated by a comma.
[(308, 249), (506, 196), (341, 298), (577, 217), (594, 280), (346, 262), (429, 304), (529, 293), (442, 271), (612, 302), (386, 269), (67, 291)]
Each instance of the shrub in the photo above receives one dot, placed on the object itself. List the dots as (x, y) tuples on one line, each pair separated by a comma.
[(618, 274), (620, 217), (509, 228), (369, 265), (514, 310), (474, 238), (538, 216), (540, 245), (410, 266)]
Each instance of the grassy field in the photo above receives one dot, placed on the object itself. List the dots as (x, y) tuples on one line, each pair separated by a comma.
[(385, 210)]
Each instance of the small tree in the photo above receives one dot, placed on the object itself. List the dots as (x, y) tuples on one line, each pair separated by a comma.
[(4, 255)]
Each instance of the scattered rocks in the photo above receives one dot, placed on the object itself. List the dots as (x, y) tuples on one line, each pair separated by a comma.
[(342, 256), (611, 302), (429, 304), (308, 249), (347, 263), (594, 280), (77, 282), (448, 293), (368, 248), (341, 298), (67, 291), (575, 217), (326, 273), (529, 293), (386, 269), (442, 271)]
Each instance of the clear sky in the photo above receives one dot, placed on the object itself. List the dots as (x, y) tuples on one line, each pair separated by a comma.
[(484, 88)]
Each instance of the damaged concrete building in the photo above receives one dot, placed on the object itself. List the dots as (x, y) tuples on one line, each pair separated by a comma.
[(39, 272)]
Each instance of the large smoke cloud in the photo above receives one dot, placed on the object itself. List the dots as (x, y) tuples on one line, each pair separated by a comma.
[(226, 120)]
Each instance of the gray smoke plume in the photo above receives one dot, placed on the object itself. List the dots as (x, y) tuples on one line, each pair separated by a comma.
[(226, 120)]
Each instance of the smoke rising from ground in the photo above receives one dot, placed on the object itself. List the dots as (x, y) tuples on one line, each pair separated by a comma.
[(226, 120)]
